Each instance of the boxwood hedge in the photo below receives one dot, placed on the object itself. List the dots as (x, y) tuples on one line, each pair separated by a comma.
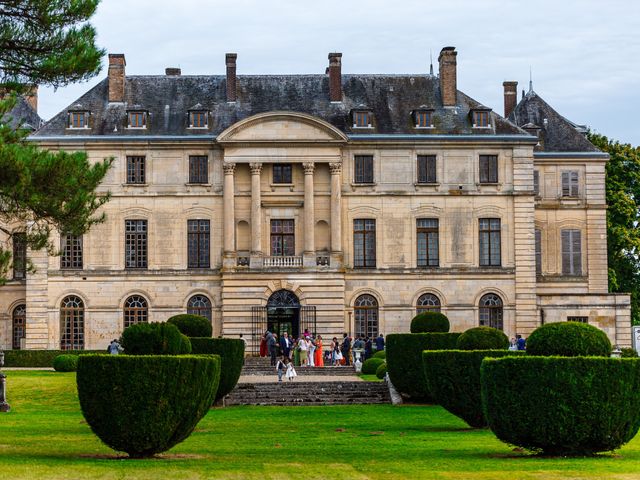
[(231, 351), (145, 405), (404, 360), (157, 338), (381, 371), (380, 354), (483, 338), (562, 405), (192, 325), (453, 378), (430, 322), (40, 358), (370, 365), (568, 339), (66, 363)]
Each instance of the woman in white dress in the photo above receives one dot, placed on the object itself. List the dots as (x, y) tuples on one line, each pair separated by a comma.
[(311, 348), (291, 372)]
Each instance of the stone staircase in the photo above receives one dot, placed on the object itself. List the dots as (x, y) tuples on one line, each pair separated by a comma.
[(309, 393), (262, 366)]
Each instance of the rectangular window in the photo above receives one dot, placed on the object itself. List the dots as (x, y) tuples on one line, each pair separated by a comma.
[(578, 319), (427, 238), (19, 256), (571, 252), (362, 119), (490, 242), (363, 169), (71, 249), (488, 169), (426, 169), (135, 244), (282, 238), (137, 119), (198, 119), (364, 243), (135, 170), (198, 243), (78, 119), (423, 119), (480, 119), (570, 184), (538, 247), (198, 169), (536, 183), (282, 173)]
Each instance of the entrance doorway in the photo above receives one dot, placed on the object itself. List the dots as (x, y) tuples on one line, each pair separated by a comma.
[(283, 313)]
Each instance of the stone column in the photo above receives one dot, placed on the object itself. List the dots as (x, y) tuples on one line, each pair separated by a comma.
[(229, 214), (336, 208), (256, 210), (309, 256)]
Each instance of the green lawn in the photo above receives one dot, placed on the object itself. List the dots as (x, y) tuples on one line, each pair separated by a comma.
[(45, 437)]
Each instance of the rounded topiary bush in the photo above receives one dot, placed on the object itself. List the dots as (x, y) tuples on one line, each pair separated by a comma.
[(231, 352), (562, 405), (453, 378), (65, 363), (568, 339), (145, 405), (404, 360), (430, 322), (381, 371), (370, 365), (154, 339), (192, 325), (381, 354), (483, 338), (185, 345)]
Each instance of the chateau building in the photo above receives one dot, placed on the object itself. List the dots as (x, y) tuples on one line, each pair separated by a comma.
[(330, 202)]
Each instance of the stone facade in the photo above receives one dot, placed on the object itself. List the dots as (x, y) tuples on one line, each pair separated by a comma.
[(240, 199)]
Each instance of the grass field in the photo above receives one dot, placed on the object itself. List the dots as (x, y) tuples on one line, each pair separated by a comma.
[(45, 437)]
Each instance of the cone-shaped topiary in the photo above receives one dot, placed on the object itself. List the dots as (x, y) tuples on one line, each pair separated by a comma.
[(568, 339), (381, 371), (154, 339), (562, 405), (145, 405), (65, 363), (370, 365), (231, 351), (192, 325), (483, 338), (430, 322)]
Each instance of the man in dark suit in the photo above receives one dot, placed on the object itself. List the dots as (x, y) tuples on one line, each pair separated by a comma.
[(271, 345), (285, 345), (346, 349), (379, 343)]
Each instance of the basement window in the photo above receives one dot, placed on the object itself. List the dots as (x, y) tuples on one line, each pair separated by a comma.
[(137, 119), (79, 119)]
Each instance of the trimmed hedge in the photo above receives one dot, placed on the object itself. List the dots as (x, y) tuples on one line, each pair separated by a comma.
[(192, 325), (404, 360), (483, 338), (562, 405), (381, 371), (231, 351), (40, 358), (381, 354), (628, 353), (568, 339), (142, 404), (453, 378), (370, 365), (158, 338), (430, 322), (66, 363)]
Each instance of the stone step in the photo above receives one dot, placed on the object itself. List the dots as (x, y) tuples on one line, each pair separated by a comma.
[(301, 371)]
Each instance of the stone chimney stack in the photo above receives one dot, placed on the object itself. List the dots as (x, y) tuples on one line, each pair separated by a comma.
[(510, 97), (116, 77), (32, 97), (231, 77), (335, 77), (448, 76)]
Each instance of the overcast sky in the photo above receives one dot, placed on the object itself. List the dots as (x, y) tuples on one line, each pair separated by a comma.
[(585, 55)]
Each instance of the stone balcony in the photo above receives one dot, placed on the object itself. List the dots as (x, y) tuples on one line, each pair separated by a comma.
[(316, 261)]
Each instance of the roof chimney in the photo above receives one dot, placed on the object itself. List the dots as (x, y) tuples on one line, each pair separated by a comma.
[(116, 77), (335, 77), (448, 76), (32, 97), (172, 72), (231, 76), (510, 97)]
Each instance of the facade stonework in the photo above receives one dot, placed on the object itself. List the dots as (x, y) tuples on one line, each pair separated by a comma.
[(502, 252)]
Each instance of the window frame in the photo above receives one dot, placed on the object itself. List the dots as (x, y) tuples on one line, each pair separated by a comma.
[(422, 306), (77, 114), (481, 119), (198, 169), (423, 114), (572, 189), (366, 316), (136, 170), (362, 119), (137, 119), (363, 238), (72, 322), (282, 174), (198, 238), (431, 234), (578, 318), (538, 250), (193, 309), (485, 235), (493, 313), (363, 174), (571, 259), (201, 115), (18, 325), (72, 252), (136, 249), (430, 169), (488, 169), (536, 183), (131, 314), (19, 255), (287, 239)]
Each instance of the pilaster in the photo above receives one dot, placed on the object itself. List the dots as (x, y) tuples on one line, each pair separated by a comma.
[(37, 298)]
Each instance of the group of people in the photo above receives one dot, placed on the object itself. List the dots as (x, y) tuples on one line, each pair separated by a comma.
[(517, 343)]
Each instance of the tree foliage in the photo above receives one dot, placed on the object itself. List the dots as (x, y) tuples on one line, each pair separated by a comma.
[(623, 215), (46, 42)]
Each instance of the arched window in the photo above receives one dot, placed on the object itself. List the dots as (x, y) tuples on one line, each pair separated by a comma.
[(428, 303), (199, 305), (136, 310), (366, 316), (19, 325), (491, 311), (72, 323)]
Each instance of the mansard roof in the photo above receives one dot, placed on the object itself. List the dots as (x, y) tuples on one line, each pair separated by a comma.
[(557, 134), (23, 114), (168, 99)]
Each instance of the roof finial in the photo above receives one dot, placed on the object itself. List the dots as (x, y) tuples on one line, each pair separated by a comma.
[(530, 80), (430, 63)]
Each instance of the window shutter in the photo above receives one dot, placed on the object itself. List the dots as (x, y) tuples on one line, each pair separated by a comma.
[(493, 169), (538, 239), (576, 247), (566, 252), (574, 184), (536, 182), (484, 169), (422, 169), (431, 169), (566, 189)]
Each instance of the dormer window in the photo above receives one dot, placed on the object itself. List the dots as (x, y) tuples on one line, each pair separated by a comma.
[(423, 118), (198, 119), (137, 119), (79, 119), (481, 119), (362, 119)]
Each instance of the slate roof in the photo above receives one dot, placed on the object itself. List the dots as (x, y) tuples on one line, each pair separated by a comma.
[(24, 114), (557, 134), (168, 99)]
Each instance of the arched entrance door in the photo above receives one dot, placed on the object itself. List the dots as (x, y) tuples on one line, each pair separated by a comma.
[(283, 313)]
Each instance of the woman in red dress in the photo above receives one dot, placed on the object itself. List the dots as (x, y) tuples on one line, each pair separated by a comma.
[(263, 346), (319, 357)]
